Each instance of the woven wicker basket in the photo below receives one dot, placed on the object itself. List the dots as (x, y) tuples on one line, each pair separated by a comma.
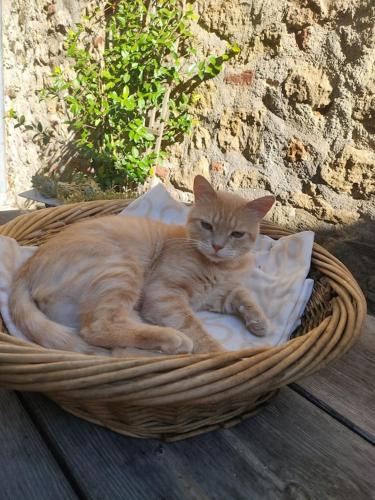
[(174, 397)]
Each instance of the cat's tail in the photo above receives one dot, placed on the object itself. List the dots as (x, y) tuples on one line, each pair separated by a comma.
[(35, 325)]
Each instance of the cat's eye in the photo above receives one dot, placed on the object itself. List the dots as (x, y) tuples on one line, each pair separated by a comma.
[(237, 234), (206, 225)]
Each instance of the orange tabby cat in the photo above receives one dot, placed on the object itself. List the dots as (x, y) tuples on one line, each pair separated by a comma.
[(90, 284)]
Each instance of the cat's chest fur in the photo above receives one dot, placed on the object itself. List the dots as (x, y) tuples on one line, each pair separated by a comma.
[(203, 282), (212, 285)]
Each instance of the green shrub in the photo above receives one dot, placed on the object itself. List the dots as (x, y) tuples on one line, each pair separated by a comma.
[(131, 99), (129, 92)]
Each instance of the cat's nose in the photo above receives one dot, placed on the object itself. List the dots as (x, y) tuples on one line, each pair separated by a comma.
[(216, 247)]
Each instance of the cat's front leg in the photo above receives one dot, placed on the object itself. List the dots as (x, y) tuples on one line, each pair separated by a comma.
[(173, 310), (239, 301)]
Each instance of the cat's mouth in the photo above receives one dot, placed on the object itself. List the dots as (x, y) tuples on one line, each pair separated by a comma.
[(212, 255), (216, 257)]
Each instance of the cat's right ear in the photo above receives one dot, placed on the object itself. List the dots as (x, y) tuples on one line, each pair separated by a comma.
[(203, 191), (260, 206)]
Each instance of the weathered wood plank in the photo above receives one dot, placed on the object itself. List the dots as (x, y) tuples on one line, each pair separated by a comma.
[(292, 449), (306, 452), (348, 385), (27, 468), (110, 466)]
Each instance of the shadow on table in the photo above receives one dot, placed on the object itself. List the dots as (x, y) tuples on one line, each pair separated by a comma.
[(354, 245)]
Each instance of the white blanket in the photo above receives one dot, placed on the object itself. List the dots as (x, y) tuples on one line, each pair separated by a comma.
[(277, 281)]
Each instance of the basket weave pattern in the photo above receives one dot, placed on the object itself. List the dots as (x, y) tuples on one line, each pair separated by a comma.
[(173, 397)]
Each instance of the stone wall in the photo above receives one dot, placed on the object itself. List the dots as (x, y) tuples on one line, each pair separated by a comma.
[(34, 32), (293, 114)]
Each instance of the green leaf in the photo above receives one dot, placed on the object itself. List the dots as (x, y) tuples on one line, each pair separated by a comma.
[(12, 113), (75, 108), (106, 74), (148, 136), (129, 104), (141, 103), (125, 92)]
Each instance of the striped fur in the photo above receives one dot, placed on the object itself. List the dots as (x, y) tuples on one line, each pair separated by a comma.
[(89, 287)]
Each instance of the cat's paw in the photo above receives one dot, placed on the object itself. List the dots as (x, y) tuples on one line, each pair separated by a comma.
[(176, 342), (259, 327), (255, 322), (207, 345)]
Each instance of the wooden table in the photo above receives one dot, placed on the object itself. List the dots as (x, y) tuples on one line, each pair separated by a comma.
[(316, 440)]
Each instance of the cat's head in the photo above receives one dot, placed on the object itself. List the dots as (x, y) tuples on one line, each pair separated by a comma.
[(224, 226)]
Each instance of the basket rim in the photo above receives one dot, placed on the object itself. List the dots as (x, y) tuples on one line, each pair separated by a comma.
[(177, 379)]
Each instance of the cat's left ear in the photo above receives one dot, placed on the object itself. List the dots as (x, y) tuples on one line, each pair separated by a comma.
[(260, 206)]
